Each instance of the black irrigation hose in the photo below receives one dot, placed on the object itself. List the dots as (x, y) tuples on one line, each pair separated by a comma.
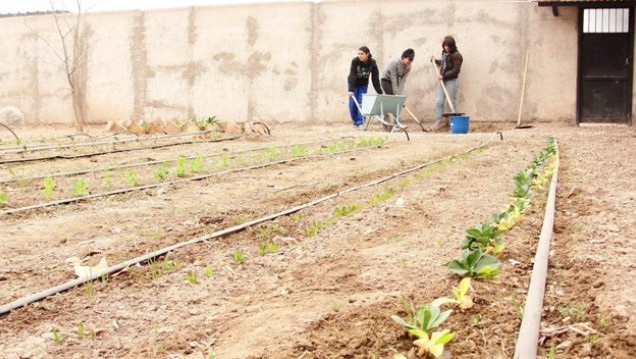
[(162, 184), (6, 308), (149, 163), (92, 154), (42, 143), (93, 143), (530, 329), (13, 133)]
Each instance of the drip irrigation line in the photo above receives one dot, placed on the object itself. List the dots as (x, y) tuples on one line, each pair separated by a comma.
[(163, 184), (92, 143), (92, 154), (6, 308), (528, 339), (42, 143), (13, 133), (149, 163)]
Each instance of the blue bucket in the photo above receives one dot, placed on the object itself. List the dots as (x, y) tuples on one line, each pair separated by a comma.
[(459, 124)]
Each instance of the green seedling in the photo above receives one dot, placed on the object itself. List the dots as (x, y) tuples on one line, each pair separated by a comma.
[(162, 172), (271, 154), (266, 247), (296, 217), (574, 310), (238, 257), (4, 199), (107, 180), (103, 278), (594, 338), (476, 319), (267, 232), (433, 345), (346, 210), (388, 193), (314, 228), (207, 271), (131, 176), (197, 165), (49, 187), (79, 188), (299, 150), (181, 166), (483, 238), (551, 353), (225, 161), (460, 296), (155, 271), (426, 318), (56, 336), (80, 330), (191, 277), (475, 264), (169, 265)]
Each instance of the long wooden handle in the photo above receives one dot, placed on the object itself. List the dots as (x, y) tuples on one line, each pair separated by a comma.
[(523, 88), (441, 82)]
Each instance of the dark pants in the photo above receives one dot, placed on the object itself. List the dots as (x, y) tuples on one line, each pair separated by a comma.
[(387, 87)]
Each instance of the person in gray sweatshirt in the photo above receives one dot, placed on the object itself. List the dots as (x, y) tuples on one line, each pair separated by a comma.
[(394, 77)]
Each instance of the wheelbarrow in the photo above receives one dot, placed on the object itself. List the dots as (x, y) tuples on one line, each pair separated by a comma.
[(386, 110)]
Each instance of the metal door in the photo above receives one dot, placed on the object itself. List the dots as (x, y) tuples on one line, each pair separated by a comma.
[(605, 65)]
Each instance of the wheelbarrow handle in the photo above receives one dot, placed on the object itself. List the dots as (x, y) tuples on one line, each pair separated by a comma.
[(357, 104)]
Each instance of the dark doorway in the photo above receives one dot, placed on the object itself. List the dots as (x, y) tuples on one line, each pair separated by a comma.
[(605, 65)]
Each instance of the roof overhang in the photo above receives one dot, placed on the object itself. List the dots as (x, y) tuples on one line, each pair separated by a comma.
[(596, 3), (585, 3)]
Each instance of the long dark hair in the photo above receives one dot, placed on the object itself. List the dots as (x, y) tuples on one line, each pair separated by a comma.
[(365, 50), (450, 41)]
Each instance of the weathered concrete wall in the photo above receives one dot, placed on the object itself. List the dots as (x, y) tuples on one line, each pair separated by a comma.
[(289, 62)]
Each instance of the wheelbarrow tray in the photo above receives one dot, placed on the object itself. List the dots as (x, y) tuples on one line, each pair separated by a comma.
[(380, 105)]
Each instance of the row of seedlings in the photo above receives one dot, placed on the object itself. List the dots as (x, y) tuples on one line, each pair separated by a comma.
[(183, 168), (480, 249)]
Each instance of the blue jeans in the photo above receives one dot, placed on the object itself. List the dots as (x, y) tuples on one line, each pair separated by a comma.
[(451, 88), (356, 116)]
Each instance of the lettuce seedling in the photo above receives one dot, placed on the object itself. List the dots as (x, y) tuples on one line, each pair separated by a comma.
[(475, 264), (482, 237), (181, 166), (79, 188), (4, 198), (428, 317), (433, 345), (49, 187), (461, 298)]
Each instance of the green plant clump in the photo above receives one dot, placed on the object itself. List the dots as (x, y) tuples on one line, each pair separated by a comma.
[(475, 264), (79, 188), (49, 187)]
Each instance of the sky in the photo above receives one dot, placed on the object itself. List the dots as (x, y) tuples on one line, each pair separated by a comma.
[(17, 6)]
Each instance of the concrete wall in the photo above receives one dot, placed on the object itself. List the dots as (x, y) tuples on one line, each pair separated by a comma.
[(289, 61)]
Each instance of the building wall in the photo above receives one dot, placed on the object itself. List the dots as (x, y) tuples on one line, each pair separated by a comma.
[(289, 61)]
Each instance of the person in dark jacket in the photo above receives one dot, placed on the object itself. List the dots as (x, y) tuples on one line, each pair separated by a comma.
[(450, 64), (362, 67), (394, 76)]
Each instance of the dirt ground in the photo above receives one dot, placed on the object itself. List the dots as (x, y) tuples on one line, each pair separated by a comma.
[(329, 287)]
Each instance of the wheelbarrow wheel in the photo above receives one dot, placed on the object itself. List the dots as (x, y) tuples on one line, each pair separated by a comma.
[(389, 118)]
